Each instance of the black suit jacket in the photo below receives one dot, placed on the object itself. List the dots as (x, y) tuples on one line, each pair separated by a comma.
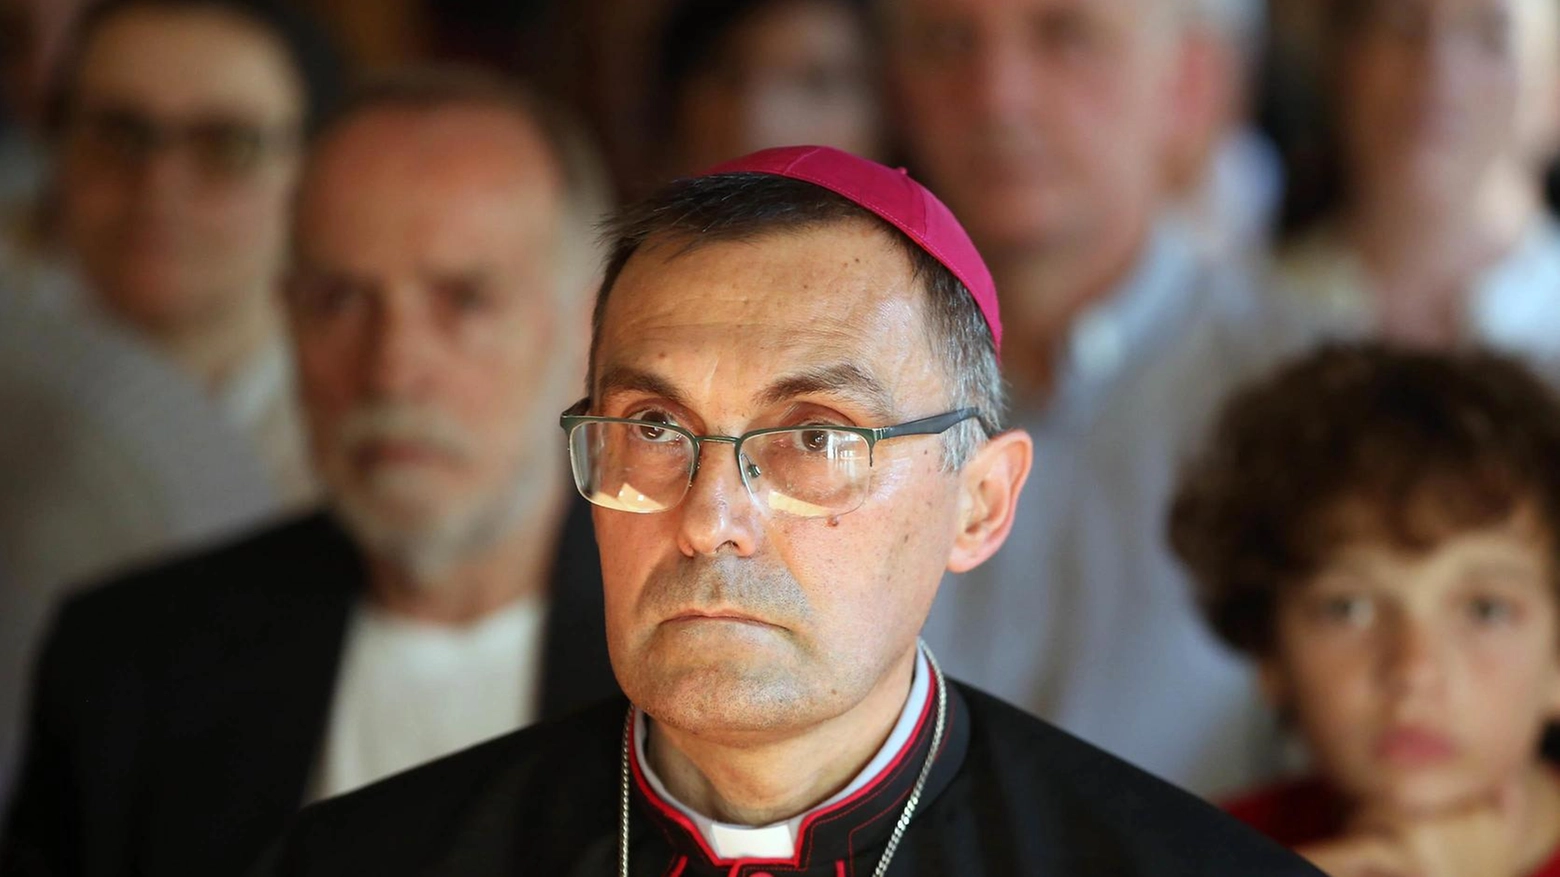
[(177, 713), (1008, 796)]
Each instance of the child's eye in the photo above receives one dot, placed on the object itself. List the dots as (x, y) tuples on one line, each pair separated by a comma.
[(1490, 610), (1347, 610)]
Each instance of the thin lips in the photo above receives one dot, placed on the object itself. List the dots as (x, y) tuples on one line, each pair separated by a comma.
[(727, 614)]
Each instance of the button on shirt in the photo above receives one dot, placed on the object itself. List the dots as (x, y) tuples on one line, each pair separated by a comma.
[(1084, 617)]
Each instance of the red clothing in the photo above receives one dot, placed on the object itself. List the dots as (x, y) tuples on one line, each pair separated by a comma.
[(1306, 811)]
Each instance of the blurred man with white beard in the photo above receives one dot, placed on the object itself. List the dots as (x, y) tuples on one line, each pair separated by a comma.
[(438, 304)]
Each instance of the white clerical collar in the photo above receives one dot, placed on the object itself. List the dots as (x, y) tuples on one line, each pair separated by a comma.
[(778, 841)]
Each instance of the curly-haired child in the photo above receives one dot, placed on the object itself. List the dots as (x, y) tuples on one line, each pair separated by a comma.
[(1379, 530)]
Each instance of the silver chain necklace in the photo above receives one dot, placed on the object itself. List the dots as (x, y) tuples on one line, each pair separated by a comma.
[(904, 816)]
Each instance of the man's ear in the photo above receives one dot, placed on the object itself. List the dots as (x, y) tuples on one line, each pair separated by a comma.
[(988, 498)]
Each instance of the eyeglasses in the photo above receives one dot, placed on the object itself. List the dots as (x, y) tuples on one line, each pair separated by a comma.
[(644, 466), (221, 149)]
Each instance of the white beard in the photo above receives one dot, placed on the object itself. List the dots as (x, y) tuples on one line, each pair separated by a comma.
[(387, 517)]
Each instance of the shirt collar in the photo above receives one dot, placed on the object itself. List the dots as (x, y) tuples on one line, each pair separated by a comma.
[(1510, 305), (251, 390), (1116, 331), (722, 843), (1513, 305)]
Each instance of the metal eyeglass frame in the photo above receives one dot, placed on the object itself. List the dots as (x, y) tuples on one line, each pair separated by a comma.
[(937, 424)]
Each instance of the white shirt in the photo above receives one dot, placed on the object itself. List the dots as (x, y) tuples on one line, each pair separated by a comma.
[(409, 692), (1084, 617), (1513, 305), (778, 841), (260, 400)]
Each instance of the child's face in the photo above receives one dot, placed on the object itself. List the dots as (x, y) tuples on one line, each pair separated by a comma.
[(1421, 681)]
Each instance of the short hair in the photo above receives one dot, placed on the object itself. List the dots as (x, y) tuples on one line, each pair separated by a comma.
[(744, 206), (695, 30), (313, 57), (692, 37), (1425, 445), (587, 190)]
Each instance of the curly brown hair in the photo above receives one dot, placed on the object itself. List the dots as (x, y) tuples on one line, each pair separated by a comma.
[(1358, 441)]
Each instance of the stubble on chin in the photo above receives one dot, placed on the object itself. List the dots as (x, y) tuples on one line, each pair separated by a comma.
[(706, 676)]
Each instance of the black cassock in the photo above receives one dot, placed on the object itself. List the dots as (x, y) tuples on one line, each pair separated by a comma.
[(1008, 795)]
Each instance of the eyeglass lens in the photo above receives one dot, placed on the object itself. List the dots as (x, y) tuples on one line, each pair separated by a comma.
[(220, 148), (643, 468)]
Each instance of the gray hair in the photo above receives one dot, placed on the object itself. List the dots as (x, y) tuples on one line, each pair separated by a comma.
[(744, 206)]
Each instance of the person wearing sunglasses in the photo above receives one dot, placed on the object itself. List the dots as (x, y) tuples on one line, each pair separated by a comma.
[(794, 425)]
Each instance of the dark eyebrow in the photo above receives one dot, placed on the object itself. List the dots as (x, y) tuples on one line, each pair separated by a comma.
[(843, 379), (627, 379)]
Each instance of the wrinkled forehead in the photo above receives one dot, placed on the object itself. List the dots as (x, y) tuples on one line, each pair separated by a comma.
[(463, 179), (727, 320)]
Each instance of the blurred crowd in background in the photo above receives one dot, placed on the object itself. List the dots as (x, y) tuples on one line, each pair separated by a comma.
[(220, 285)]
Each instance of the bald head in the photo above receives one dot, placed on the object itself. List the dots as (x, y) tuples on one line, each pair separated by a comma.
[(400, 181), (482, 117)]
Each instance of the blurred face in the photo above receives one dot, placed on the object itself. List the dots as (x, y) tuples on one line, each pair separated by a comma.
[(796, 71), (32, 35), (1041, 122), (176, 165), (432, 350), (1538, 86), (1429, 94), (1423, 681), (725, 617)]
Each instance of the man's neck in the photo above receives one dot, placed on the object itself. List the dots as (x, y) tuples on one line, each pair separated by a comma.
[(516, 566), (1045, 290), (1423, 257), (215, 346), (769, 780)]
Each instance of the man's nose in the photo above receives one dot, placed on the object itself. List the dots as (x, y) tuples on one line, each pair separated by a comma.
[(1003, 81), (162, 173), (718, 514), (398, 350)]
